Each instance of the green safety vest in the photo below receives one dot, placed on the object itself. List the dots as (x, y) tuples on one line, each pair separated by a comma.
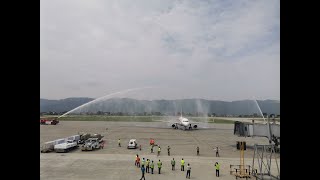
[(182, 162), (159, 164), (142, 163), (152, 166), (217, 166), (159, 149), (148, 163), (173, 162)]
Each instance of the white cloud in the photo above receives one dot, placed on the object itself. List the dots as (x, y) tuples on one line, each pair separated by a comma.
[(211, 49)]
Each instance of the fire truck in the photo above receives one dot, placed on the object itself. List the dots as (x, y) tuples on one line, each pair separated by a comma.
[(49, 121)]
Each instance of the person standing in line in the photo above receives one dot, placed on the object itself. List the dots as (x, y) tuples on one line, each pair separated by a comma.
[(152, 166), (159, 166), (173, 164), (119, 144), (188, 171), (168, 150), (142, 171), (182, 165), (159, 150), (147, 166), (143, 162), (138, 161)]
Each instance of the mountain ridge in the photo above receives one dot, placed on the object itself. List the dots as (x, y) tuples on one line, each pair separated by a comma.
[(195, 105)]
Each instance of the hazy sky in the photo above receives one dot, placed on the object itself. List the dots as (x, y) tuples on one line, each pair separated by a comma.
[(218, 49)]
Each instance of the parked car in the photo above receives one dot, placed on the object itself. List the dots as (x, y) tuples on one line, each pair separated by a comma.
[(132, 144)]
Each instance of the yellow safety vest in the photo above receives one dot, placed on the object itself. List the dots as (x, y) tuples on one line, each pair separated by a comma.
[(182, 162), (152, 166), (159, 164), (217, 166)]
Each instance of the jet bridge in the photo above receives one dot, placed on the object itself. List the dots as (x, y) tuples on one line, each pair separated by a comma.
[(268, 130)]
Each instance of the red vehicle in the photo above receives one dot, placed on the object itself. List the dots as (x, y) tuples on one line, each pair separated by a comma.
[(49, 121)]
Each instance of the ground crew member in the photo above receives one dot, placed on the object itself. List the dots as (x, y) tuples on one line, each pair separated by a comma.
[(173, 164), (159, 166), (147, 166), (188, 171), (143, 162), (198, 151), (119, 143), (151, 148), (217, 165), (152, 167), (159, 150), (169, 150), (142, 171), (102, 144), (140, 147), (138, 161), (217, 152), (182, 165)]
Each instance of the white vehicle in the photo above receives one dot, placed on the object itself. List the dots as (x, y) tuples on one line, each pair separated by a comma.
[(48, 147), (91, 144), (132, 144), (66, 146)]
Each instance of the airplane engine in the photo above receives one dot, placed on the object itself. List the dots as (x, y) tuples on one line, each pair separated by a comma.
[(195, 126)]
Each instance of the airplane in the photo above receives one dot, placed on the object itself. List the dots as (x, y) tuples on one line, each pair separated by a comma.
[(183, 122)]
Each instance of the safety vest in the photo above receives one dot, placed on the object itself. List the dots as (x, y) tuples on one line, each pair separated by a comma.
[(143, 162), (118, 141), (173, 162), (182, 162), (148, 162), (159, 149), (159, 164), (152, 165), (217, 166)]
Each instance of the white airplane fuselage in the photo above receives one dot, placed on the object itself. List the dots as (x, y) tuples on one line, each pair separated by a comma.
[(184, 122)]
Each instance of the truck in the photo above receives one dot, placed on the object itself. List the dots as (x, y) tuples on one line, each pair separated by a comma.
[(86, 136), (66, 146), (49, 121), (91, 144), (49, 146)]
